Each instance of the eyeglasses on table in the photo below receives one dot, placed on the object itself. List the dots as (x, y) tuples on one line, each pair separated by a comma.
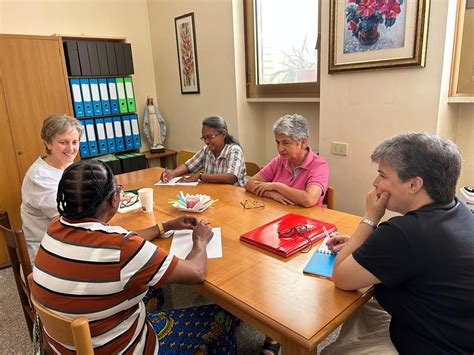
[(300, 230), (249, 204)]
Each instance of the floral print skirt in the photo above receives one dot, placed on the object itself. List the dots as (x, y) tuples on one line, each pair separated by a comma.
[(185, 331)]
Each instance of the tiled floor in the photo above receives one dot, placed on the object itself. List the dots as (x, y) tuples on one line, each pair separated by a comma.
[(14, 338)]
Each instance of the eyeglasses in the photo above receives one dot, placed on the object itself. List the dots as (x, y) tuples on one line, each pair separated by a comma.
[(249, 204), (129, 201), (300, 230), (209, 137)]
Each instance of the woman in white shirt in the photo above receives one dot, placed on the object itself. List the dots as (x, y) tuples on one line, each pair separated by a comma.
[(60, 134)]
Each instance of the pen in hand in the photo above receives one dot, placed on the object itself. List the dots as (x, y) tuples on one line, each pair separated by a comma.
[(327, 240)]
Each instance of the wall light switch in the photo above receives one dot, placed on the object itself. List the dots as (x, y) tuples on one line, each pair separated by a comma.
[(339, 148)]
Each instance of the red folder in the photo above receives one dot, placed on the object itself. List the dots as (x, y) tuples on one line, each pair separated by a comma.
[(285, 236)]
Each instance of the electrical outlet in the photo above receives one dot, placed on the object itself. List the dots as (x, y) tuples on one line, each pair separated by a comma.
[(339, 148)]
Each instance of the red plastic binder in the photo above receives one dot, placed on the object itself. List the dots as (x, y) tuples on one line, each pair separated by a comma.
[(287, 235)]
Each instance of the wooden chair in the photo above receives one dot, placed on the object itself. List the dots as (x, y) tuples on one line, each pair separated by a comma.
[(330, 198), (73, 332), (184, 155), (251, 168), (21, 264)]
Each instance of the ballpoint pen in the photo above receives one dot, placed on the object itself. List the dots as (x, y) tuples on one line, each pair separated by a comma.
[(326, 233), (328, 236)]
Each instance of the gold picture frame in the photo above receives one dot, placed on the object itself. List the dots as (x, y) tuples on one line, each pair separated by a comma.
[(372, 34)]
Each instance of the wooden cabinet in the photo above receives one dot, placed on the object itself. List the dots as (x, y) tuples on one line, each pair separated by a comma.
[(33, 85)]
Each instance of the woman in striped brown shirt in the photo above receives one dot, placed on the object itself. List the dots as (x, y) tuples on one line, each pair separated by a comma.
[(86, 267)]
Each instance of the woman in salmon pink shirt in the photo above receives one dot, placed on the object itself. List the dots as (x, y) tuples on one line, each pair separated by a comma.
[(297, 175)]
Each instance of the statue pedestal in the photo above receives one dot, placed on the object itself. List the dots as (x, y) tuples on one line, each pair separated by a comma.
[(157, 149), (167, 158)]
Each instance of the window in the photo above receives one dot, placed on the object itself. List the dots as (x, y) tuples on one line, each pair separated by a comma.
[(281, 40), (462, 72)]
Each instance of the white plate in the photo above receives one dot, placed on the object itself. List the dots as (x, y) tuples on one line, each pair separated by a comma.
[(184, 209)]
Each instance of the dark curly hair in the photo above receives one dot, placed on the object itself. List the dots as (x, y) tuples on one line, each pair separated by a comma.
[(83, 187)]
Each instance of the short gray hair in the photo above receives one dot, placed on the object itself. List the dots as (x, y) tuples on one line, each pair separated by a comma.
[(436, 160), (294, 126), (58, 124)]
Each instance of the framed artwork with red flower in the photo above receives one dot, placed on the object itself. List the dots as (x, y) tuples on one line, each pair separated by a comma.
[(187, 55), (377, 34)]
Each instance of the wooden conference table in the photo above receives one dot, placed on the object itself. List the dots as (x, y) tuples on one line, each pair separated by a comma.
[(261, 288)]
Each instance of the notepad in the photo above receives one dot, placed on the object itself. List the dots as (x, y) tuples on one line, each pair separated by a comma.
[(322, 261), (175, 182)]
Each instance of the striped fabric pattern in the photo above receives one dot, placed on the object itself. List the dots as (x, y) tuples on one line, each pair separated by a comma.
[(101, 272)]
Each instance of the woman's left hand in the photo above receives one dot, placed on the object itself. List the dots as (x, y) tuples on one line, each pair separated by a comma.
[(183, 222), (261, 187), (189, 178)]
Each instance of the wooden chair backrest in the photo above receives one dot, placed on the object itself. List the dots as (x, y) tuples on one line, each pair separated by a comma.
[(21, 265), (330, 198), (184, 155), (251, 168), (73, 332)]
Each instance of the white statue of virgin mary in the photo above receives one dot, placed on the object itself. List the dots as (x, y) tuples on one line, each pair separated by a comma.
[(154, 127)]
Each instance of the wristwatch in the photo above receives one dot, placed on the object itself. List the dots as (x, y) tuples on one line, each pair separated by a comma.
[(369, 222)]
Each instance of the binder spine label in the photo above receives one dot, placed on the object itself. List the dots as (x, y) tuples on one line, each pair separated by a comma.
[(76, 92), (129, 89)]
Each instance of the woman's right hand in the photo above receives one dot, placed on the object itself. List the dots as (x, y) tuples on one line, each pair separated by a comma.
[(336, 242), (375, 205), (202, 233), (167, 175), (279, 198)]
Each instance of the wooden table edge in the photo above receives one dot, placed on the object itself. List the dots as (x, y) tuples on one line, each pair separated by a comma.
[(268, 326)]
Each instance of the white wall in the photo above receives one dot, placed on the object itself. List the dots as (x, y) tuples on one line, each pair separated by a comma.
[(363, 108), (220, 50), (215, 52), (251, 117)]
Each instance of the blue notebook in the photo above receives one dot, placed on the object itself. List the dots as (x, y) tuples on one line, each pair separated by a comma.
[(322, 262)]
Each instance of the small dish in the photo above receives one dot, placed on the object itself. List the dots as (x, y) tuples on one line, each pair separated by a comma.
[(192, 210), (192, 203)]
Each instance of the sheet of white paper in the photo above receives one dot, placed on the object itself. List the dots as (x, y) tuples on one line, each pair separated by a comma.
[(174, 182), (182, 244)]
